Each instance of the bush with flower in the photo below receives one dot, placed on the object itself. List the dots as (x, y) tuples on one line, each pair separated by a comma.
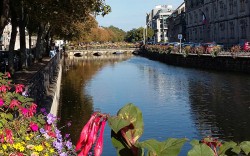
[(24, 131)]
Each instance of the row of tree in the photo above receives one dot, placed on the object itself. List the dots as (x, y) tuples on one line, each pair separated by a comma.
[(47, 19)]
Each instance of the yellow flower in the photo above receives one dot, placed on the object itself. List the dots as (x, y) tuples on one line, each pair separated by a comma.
[(47, 144), (46, 154), (51, 150), (38, 148), (4, 146), (27, 138)]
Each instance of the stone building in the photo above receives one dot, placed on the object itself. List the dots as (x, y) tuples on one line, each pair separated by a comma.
[(223, 21), (157, 20), (177, 24)]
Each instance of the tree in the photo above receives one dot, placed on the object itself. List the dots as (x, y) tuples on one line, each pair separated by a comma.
[(4, 14), (135, 35)]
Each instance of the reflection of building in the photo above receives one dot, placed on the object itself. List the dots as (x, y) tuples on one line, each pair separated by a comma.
[(177, 24), (5, 39), (157, 20), (222, 21)]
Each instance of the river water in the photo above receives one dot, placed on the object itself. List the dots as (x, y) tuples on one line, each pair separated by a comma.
[(175, 102)]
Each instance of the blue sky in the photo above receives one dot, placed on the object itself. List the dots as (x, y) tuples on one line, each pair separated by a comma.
[(129, 14)]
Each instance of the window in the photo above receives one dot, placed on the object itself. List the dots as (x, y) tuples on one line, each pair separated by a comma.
[(231, 7), (242, 5), (221, 9)]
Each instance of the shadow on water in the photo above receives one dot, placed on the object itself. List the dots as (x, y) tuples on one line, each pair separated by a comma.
[(75, 105), (221, 102)]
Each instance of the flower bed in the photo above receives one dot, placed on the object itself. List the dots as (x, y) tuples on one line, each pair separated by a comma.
[(23, 130)]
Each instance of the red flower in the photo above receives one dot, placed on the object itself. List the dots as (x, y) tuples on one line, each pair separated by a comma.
[(33, 126), (9, 136), (19, 88), (1, 102), (14, 103), (4, 88), (99, 144)]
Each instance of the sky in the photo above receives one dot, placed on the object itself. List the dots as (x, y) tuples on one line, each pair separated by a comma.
[(129, 14)]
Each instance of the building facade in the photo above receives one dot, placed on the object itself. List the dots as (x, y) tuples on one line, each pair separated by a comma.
[(222, 21), (177, 24), (157, 20), (5, 39)]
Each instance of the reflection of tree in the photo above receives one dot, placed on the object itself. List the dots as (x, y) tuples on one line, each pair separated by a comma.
[(75, 104), (221, 107)]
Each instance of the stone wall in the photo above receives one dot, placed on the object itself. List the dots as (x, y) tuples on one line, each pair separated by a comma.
[(221, 63)]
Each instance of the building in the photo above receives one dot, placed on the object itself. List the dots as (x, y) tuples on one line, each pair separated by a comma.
[(223, 21), (5, 39), (157, 20), (177, 24)]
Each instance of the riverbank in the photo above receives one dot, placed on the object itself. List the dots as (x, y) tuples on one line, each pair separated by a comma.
[(223, 62), (42, 82)]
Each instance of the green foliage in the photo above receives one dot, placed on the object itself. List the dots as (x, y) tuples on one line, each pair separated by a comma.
[(127, 128), (171, 146), (134, 35)]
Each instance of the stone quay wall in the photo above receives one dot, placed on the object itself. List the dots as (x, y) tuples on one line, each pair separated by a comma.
[(220, 63)]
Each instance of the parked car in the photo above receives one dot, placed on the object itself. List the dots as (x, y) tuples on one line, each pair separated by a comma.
[(245, 45), (208, 47)]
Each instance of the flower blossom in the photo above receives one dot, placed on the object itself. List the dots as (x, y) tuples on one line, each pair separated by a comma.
[(19, 88), (33, 126), (14, 103), (1, 102), (51, 118)]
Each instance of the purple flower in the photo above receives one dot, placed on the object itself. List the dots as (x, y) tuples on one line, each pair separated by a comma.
[(67, 135), (58, 145), (42, 131), (63, 154), (69, 124), (43, 110), (50, 118), (69, 144)]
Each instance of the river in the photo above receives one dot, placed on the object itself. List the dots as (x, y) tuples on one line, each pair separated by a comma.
[(175, 101)]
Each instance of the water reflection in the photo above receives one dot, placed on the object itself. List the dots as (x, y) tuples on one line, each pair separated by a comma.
[(77, 105), (175, 102), (220, 105)]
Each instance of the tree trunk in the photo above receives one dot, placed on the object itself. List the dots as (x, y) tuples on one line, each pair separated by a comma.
[(39, 43), (4, 15), (12, 63), (23, 42)]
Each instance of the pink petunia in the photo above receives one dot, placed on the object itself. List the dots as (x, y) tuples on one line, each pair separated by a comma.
[(1, 102), (14, 103), (25, 112), (34, 127)]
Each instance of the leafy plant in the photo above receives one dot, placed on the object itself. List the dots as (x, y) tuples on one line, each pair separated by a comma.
[(23, 131), (127, 127)]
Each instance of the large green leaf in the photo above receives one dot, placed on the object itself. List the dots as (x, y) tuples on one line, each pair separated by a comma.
[(172, 146), (245, 146), (201, 150), (116, 123), (133, 114), (236, 149), (226, 146)]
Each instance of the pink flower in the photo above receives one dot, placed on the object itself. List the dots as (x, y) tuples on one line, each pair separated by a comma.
[(19, 88), (85, 133), (14, 103), (4, 88), (1, 102), (24, 112), (33, 126), (99, 144), (9, 136), (7, 74)]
